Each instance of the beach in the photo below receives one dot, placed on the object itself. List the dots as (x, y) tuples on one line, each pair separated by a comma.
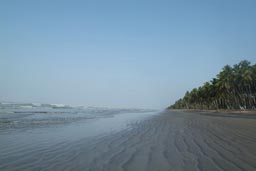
[(164, 141)]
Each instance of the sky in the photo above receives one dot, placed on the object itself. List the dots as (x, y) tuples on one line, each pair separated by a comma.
[(135, 53)]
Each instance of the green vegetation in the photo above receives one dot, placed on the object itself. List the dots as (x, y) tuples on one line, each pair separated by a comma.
[(234, 88)]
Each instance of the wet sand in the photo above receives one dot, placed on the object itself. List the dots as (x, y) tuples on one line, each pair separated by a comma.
[(171, 140)]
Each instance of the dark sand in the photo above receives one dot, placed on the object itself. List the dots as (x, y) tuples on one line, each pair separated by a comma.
[(169, 141)]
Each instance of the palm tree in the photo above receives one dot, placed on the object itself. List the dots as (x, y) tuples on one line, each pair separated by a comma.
[(234, 88)]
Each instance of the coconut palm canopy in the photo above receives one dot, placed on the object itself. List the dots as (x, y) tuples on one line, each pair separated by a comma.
[(233, 88)]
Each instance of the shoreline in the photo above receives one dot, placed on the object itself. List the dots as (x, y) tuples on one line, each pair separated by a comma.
[(224, 111)]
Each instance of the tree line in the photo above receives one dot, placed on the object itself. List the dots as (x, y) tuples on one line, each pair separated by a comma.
[(233, 88)]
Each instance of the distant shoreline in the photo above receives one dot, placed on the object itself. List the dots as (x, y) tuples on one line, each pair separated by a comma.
[(226, 111)]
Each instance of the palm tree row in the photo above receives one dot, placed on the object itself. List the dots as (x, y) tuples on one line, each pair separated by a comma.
[(233, 88)]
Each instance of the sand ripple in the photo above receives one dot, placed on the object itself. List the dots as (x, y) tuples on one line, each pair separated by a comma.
[(168, 141)]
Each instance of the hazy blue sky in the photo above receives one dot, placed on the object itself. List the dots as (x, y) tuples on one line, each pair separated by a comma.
[(119, 53)]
